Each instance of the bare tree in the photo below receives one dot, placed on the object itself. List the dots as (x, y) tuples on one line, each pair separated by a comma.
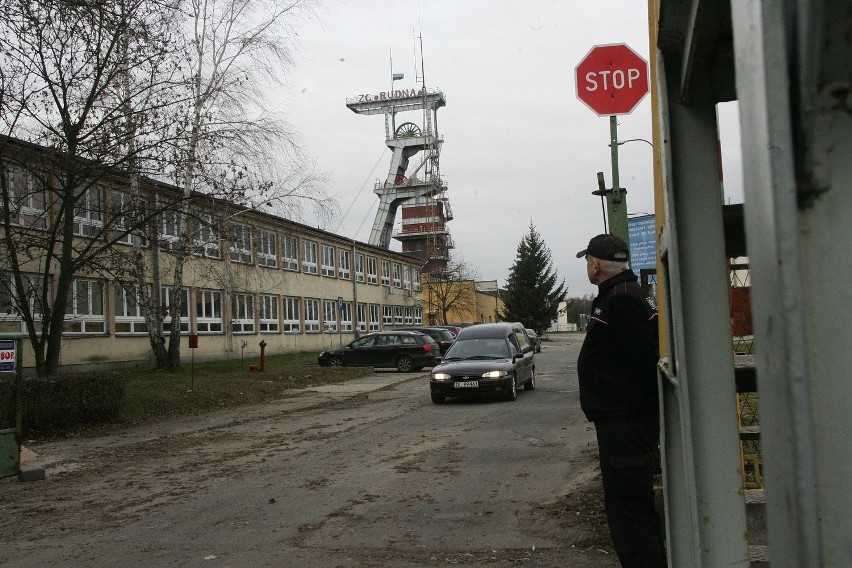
[(450, 290), (66, 105), (229, 136), (114, 93)]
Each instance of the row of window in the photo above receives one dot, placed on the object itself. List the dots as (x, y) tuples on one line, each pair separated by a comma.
[(250, 313), (28, 206)]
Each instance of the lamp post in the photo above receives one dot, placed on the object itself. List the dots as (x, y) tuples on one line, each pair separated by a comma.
[(616, 196)]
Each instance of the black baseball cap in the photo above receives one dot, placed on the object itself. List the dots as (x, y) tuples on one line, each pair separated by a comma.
[(606, 247)]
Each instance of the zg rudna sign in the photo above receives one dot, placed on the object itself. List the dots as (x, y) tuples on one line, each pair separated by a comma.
[(7, 355)]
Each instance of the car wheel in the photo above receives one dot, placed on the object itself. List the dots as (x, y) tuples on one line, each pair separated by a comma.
[(404, 364), (335, 361), (437, 398), (513, 391), (530, 384)]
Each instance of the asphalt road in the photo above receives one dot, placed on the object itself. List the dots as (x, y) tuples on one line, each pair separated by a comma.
[(367, 473)]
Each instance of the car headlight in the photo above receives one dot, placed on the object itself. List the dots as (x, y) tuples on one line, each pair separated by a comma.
[(322, 353), (494, 374), (440, 376)]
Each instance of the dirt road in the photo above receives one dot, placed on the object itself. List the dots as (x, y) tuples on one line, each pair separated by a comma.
[(367, 473)]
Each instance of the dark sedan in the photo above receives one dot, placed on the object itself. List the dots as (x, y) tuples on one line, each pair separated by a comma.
[(404, 350), (491, 359), (534, 339), (442, 336)]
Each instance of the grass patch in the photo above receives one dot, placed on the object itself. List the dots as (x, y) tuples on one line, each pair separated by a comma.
[(151, 394)]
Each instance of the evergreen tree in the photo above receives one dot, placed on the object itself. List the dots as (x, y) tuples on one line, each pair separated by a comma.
[(532, 296)]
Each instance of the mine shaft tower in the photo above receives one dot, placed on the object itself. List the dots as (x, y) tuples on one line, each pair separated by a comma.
[(418, 190)]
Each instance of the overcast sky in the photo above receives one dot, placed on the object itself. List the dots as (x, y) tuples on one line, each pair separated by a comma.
[(519, 147)]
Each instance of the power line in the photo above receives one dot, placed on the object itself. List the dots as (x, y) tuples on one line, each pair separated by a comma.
[(357, 195)]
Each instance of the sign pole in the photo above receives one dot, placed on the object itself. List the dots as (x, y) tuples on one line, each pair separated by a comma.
[(611, 80), (617, 198)]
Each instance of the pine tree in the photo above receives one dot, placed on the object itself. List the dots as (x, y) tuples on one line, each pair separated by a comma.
[(532, 296)]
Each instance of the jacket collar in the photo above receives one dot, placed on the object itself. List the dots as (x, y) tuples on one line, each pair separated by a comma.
[(607, 285)]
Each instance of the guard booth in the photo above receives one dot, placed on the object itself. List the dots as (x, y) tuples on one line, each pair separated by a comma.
[(11, 355), (789, 67)]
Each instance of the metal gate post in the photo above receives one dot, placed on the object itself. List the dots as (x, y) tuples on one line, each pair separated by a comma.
[(706, 522)]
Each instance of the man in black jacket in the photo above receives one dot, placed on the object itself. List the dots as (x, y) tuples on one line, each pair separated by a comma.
[(618, 392)]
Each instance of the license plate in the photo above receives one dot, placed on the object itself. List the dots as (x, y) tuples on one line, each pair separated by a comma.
[(466, 385)]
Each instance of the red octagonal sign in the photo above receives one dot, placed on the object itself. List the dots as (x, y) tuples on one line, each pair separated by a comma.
[(612, 79)]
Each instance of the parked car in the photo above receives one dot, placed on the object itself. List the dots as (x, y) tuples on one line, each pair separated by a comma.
[(442, 336), (454, 328), (491, 359), (534, 339), (404, 350)]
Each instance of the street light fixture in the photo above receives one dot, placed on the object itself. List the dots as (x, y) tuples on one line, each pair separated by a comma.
[(649, 143)]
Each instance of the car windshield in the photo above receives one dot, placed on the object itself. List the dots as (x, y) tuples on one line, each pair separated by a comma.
[(495, 348)]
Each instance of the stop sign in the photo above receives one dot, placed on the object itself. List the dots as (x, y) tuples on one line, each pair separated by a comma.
[(612, 79)]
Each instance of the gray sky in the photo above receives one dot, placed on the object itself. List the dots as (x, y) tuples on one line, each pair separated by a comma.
[(519, 147)]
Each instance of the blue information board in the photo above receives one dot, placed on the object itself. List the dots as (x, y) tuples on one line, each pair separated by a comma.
[(641, 232)]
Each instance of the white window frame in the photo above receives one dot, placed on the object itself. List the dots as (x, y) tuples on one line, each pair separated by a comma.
[(312, 315), (409, 315), (88, 210), (267, 249), (327, 255), (241, 242), (242, 313), (398, 315), (165, 302), (418, 316), (309, 256), (361, 312), (406, 277), (292, 321), (121, 210), (386, 272), (86, 313), (387, 316), (372, 270), (375, 321), (415, 279), (207, 236), (289, 252), (167, 227), (269, 313), (208, 311), (8, 304), (27, 198), (397, 270), (329, 316), (343, 265), (359, 267), (346, 317), (129, 315)]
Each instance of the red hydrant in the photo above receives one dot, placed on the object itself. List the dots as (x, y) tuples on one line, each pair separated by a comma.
[(262, 355)]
